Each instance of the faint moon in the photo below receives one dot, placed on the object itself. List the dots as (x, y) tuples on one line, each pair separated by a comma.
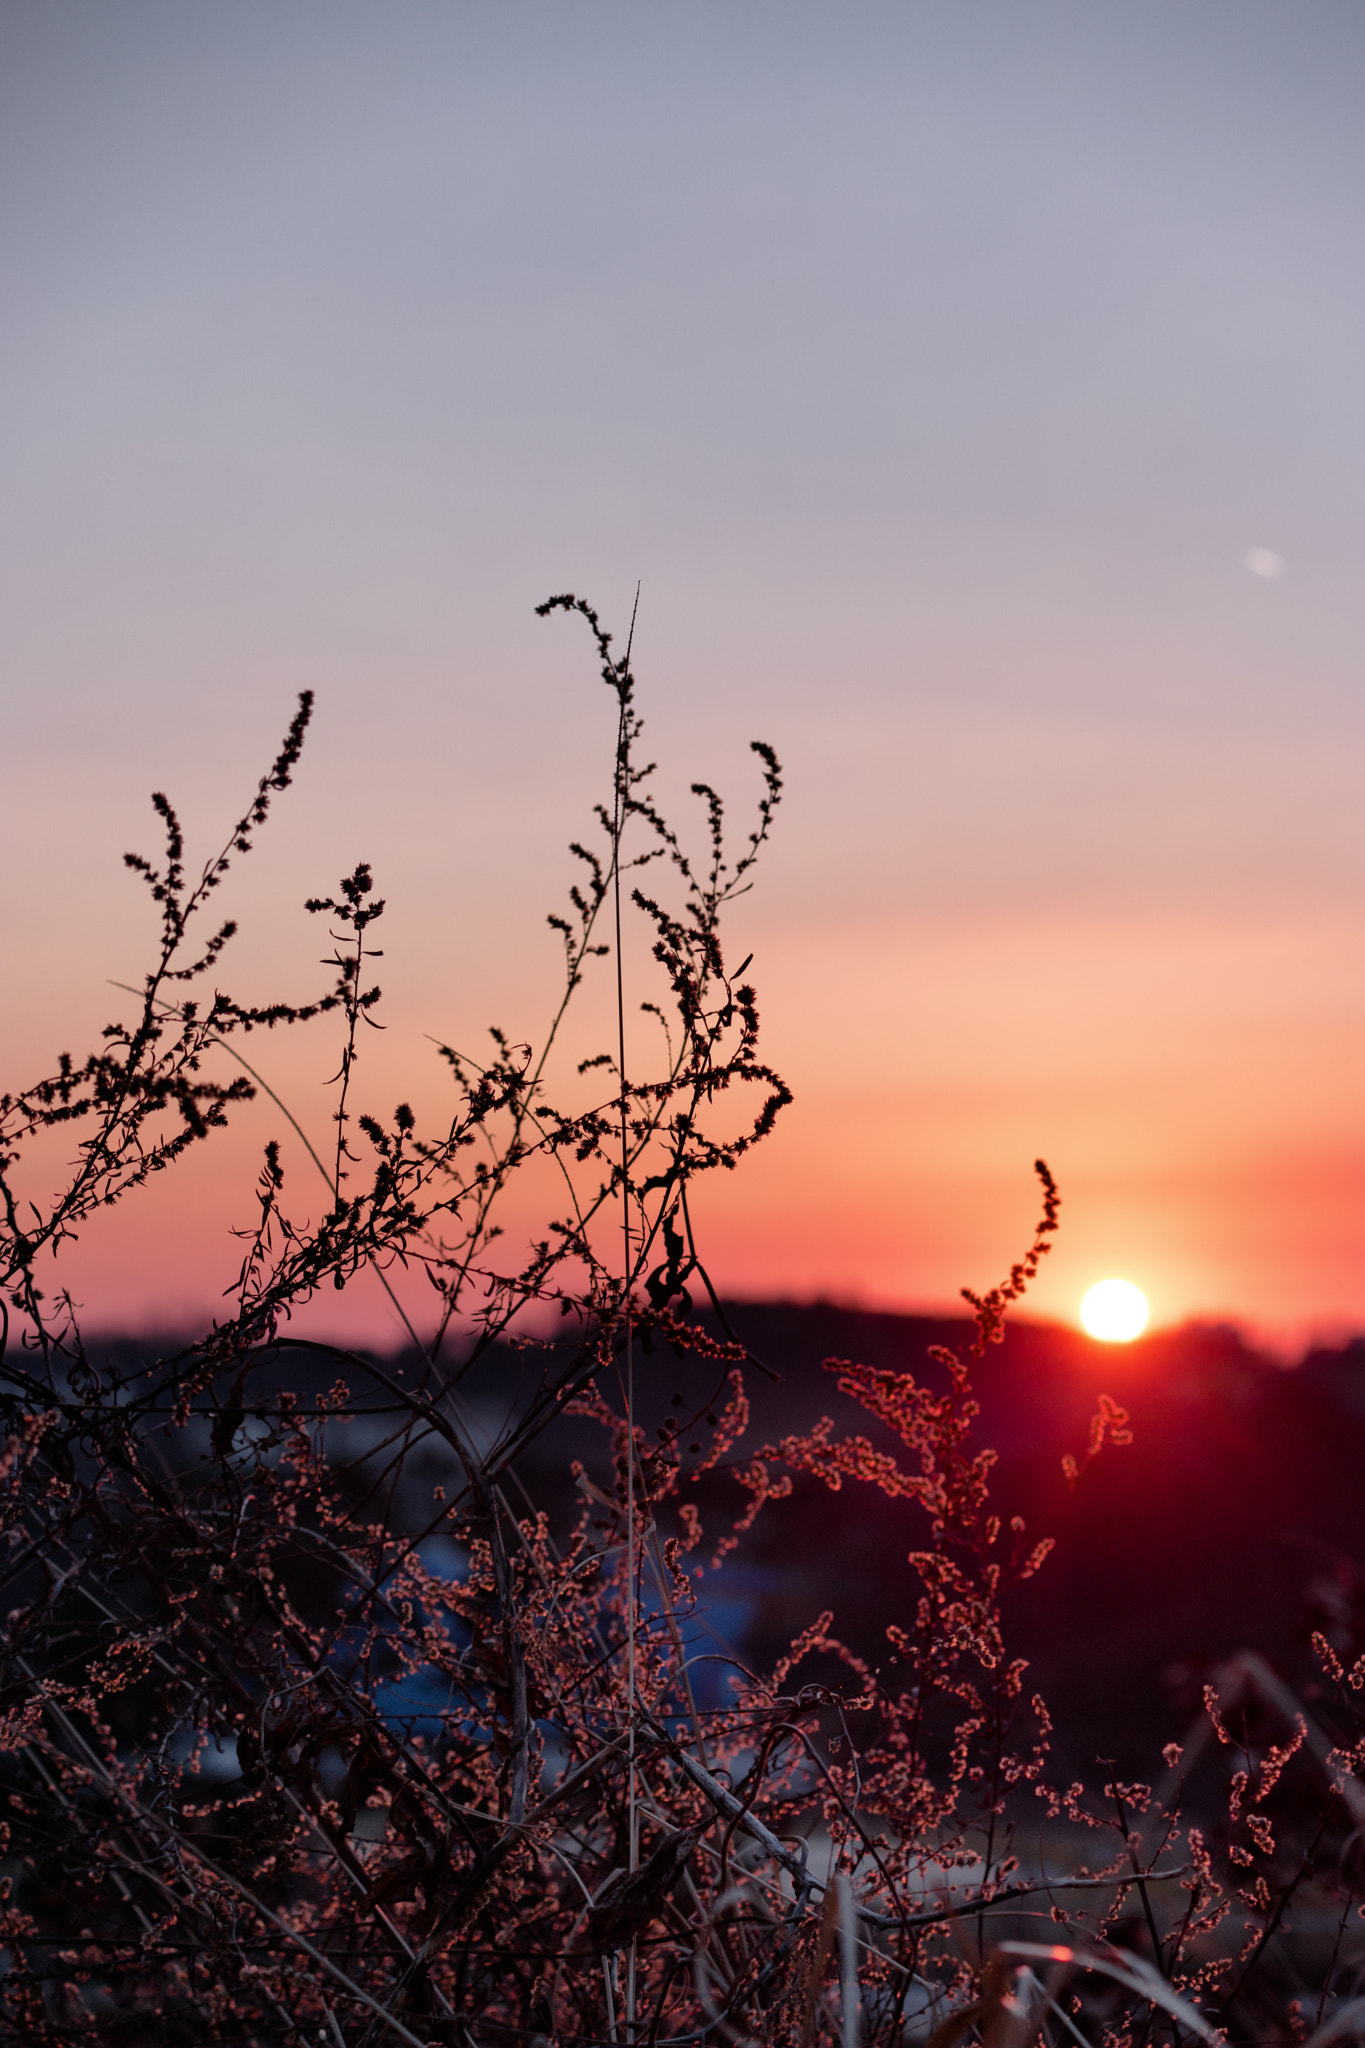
[(1263, 562), (1115, 1311)]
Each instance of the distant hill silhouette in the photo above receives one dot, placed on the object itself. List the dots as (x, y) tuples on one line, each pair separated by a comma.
[(1238, 1509)]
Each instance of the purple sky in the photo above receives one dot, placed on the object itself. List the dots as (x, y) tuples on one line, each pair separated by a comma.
[(950, 375)]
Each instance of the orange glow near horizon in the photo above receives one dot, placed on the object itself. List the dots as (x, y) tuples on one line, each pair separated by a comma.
[(875, 1190), (1184, 1077)]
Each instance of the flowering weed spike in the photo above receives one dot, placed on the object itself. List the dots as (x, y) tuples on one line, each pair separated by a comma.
[(316, 1713)]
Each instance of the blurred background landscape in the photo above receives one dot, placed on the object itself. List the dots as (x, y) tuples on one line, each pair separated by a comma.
[(1234, 1520)]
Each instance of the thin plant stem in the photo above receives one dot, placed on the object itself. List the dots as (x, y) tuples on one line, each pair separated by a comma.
[(618, 830)]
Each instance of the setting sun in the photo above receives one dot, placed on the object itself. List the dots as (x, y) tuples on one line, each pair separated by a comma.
[(1115, 1311)]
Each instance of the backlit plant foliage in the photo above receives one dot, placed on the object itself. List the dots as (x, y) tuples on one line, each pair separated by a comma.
[(318, 1726)]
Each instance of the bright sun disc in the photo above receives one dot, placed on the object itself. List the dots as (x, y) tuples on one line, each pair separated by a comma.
[(1115, 1311)]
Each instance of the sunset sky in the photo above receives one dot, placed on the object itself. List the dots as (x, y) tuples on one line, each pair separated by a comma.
[(975, 390)]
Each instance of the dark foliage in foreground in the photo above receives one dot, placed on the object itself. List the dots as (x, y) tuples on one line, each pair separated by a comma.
[(320, 1724)]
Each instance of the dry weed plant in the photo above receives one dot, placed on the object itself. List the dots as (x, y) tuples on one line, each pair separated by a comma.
[(316, 1728)]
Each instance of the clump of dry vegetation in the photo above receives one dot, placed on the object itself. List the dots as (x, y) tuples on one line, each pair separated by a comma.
[(317, 1725)]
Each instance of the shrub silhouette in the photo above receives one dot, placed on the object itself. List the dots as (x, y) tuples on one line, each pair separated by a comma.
[(318, 1726)]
